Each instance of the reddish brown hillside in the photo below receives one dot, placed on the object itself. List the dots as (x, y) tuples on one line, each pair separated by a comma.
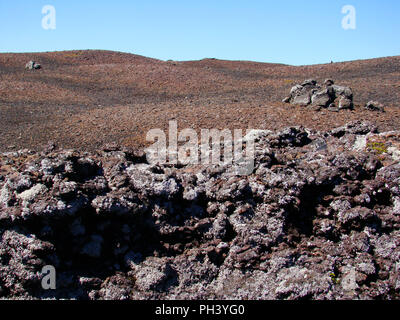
[(84, 99)]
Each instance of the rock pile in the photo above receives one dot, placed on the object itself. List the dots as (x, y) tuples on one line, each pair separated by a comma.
[(329, 95), (319, 218)]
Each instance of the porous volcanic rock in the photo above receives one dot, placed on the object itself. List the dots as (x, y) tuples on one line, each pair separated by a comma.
[(318, 218)]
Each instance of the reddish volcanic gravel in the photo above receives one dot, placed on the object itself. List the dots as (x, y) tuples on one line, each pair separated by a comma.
[(85, 99)]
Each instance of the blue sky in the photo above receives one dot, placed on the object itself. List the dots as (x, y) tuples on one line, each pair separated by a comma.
[(285, 31)]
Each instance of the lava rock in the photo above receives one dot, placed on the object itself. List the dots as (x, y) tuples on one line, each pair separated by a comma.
[(374, 106), (32, 65)]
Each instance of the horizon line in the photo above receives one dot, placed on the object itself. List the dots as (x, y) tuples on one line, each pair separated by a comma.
[(205, 58)]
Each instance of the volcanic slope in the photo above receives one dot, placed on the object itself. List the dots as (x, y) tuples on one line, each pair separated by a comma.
[(85, 99)]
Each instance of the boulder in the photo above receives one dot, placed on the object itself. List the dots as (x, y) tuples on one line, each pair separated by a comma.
[(374, 106), (309, 82), (302, 99), (343, 92), (345, 103), (32, 65), (322, 98), (301, 94)]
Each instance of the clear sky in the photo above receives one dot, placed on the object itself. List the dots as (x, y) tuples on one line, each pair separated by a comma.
[(286, 31)]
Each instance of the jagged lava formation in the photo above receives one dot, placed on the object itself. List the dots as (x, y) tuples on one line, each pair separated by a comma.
[(318, 218)]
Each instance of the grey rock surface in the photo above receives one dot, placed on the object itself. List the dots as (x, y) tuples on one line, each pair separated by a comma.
[(310, 93), (318, 218)]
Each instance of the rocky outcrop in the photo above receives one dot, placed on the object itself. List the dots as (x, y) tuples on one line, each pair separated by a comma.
[(310, 93), (319, 218)]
